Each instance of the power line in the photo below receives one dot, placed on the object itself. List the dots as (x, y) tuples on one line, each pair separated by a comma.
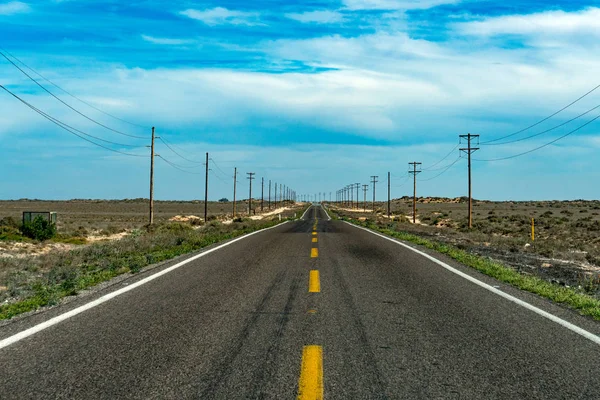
[(443, 172), (72, 130), (51, 118), (179, 167), (543, 120), (70, 94), (218, 177), (403, 182), (215, 164), (544, 145), (547, 130), (66, 104), (173, 150), (430, 168)]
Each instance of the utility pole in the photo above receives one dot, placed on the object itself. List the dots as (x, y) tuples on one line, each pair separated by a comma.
[(250, 177), (152, 179), (234, 187), (389, 210), (469, 150), (269, 195), (374, 181), (206, 192), (414, 172), (365, 188), (275, 194), (357, 201), (262, 194)]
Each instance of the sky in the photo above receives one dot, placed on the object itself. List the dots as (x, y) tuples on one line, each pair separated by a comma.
[(312, 94)]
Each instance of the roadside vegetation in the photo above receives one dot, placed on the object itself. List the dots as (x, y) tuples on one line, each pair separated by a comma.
[(28, 283), (582, 298)]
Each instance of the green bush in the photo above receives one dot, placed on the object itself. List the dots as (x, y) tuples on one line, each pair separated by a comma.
[(39, 229)]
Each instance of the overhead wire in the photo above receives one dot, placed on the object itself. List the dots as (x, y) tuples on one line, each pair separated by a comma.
[(72, 130), (70, 94), (218, 177), (544, 119), (547, 130), (68, 105), (173, 150), (443, 172), (215, 164), (437, 163), (542, 146), (178, 167)]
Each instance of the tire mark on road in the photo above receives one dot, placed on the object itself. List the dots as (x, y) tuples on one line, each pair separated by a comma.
[(266, 369), (220, 373), (377, 383)]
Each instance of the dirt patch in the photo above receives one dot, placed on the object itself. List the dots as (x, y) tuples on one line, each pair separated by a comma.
[(186, 218)]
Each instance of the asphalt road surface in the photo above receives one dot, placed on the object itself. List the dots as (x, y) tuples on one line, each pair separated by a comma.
[(308, 309)]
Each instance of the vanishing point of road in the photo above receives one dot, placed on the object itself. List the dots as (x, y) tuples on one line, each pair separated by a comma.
[(308, 309)]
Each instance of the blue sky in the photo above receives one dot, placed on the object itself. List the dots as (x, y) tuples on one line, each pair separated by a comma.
[(314, 94)]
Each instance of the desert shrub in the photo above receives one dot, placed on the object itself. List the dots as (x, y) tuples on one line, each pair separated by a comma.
[(39, 229), (174, 227), (110, 230), (10, 233), (9, 222)]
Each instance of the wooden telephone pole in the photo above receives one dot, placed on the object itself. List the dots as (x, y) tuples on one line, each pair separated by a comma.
[(269, 194), (234, 188), (206, 192), (262, 194), (389, 209), (250, 177), (414, 172), (374, 182), (152, 179), (469, 150), (365, 188)]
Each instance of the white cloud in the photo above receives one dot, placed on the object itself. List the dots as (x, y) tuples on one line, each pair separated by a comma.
[(395, 4), (166, 41), (320, 17), (222, 16), (14, 7), (553, 23)]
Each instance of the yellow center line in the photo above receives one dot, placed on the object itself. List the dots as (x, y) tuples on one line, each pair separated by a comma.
[(314, 240), (314, 253), (310, 385), (314, 282), (314, 233)]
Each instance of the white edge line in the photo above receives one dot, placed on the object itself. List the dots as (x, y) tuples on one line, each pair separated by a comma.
[(328, 217), (302, 217), (551, 317), (53, 321)]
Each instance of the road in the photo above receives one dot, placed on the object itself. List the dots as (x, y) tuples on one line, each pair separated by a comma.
[(306, 309)]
